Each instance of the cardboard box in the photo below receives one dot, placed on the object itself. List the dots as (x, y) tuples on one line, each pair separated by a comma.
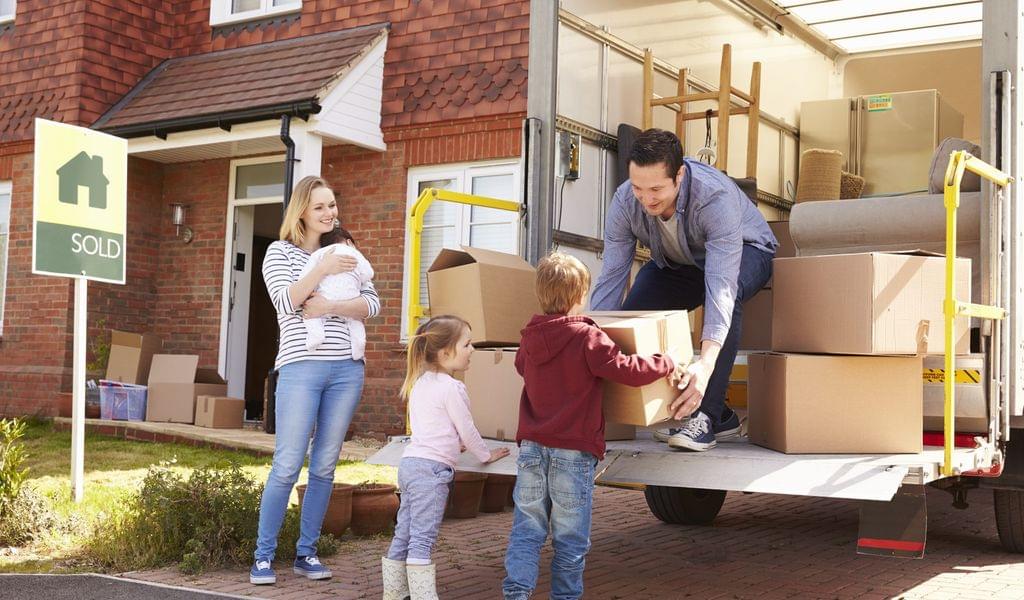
[(696, 319), (131, 355), (811, 404), (494, 291), (786, 247), (495, 391), (220, 412), (757, 322), (736, 393), (174, 383), (869, 303), (971, 404), (645, 333)]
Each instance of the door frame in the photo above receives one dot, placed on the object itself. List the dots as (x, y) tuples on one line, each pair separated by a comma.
[(229, 224)]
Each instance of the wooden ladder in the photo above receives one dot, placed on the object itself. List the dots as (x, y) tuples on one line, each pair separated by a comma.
[(723, 97)]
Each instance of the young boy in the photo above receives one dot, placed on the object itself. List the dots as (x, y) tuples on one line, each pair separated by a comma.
[(563, 357)]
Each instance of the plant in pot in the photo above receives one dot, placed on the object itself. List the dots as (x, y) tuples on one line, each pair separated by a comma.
[(339, 508), (374, 508), (464, 500)]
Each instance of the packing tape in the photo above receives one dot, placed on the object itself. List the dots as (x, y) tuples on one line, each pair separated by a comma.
[(962, 376)]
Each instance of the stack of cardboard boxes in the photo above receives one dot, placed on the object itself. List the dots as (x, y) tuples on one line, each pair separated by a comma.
[(848, 335), (176, 390)]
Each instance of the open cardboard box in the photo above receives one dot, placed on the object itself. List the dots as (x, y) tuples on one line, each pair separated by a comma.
[(131, 355), (175, 380), (644, 333), (494, 291)]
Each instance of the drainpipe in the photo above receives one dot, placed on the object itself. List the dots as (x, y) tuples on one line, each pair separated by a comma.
[(289, 159)]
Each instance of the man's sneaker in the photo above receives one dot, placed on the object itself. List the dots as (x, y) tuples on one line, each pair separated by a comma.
[(310, 568), (261, 573), (663, 435), (695, 435), (729, 428)]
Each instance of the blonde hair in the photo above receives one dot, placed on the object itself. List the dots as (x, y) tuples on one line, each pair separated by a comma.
[(562, 281), (438, 334), (292, 228)]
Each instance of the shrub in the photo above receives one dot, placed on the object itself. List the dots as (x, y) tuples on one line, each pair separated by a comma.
[(208, 520), (24, 518), (11, 457)]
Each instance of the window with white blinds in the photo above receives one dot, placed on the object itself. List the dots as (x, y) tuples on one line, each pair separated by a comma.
[(449, 225), (7, 9), (5, 220), (225, 12)]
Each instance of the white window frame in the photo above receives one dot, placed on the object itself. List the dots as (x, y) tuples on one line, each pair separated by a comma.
[(220, 12), (229, 223), (462, 174), (6, 188), (7, 18)]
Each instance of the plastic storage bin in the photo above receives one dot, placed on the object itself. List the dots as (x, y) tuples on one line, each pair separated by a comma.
[(122, 401)]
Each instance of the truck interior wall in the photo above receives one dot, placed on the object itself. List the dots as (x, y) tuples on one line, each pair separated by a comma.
[(955, 72)]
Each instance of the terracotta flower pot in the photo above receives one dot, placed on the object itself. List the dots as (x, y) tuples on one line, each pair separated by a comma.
[(497, 489), (464, 500), (374, 508), (64, 406), (339, 509), (65, 403)]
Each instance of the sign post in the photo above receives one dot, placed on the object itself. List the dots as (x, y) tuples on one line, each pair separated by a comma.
[(79, 228)]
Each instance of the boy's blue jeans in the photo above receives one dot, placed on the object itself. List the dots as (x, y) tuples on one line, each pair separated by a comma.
[(554, 491), (318, 395)]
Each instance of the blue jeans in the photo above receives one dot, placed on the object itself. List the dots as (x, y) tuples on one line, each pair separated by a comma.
[(425, 485), (554, 490), (320, 394), (683, 288)]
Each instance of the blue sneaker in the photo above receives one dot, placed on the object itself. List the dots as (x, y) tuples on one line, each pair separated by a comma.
[(729, 427), (261, 573), (695, 435), (310, 568)]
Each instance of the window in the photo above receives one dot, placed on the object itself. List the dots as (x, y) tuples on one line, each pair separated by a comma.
[(5, 220), (226, 12), (449, 225), (7, 9)]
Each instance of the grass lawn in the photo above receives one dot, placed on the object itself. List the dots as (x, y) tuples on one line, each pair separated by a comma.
[(114, 469)]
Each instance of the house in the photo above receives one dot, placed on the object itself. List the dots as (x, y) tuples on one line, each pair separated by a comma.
[(382, 98), (83, 171)]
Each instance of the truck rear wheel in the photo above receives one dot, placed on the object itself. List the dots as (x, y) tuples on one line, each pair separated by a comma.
[(684, 506), (1009, 505)]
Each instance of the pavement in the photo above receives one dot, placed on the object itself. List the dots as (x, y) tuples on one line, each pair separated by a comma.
[(93, 587), (763, 547)]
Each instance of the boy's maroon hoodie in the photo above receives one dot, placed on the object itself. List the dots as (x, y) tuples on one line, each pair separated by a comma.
[(562, 360)]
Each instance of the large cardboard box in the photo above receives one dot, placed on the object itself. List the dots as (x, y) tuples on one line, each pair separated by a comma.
[(736, 393), (645, 333), (814, 404), (757, 322), (174, 382), (786, 247), (495, 390), (494, 291), (869, 303), (971, 404), (131, 355), (220, 412), (696, 319)]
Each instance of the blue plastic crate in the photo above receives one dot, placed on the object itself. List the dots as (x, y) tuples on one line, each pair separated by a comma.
[(122, 401)]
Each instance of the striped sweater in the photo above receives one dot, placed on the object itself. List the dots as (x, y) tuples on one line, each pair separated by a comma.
[(281, 268)]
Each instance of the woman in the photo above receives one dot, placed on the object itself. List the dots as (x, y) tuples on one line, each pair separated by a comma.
[(317, 390)]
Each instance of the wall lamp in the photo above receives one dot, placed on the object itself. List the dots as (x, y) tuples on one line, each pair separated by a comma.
[(178, 220)]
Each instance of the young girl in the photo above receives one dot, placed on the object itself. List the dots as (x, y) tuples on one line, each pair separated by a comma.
[(441, 426), (340, 286)]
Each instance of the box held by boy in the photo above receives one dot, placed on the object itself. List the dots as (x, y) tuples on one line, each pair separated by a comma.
[(493, 291), (644, 333), (495, 390), (866, 303), (818, 404), (174, 382)]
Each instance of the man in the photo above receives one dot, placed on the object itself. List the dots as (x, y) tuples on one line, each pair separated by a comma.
[(709, 246)]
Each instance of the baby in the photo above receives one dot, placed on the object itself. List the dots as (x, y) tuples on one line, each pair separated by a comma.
[(341, 286)]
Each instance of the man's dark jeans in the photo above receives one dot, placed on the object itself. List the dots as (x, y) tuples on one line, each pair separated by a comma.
[(682, 288)]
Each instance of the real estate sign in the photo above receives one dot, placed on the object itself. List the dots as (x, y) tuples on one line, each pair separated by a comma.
[(79, 216)]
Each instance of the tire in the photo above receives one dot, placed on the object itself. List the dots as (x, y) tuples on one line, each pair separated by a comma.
[(1009, 505), (684, 506)]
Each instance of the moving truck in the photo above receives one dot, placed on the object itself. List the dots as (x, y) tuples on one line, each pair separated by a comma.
[(587, 91)]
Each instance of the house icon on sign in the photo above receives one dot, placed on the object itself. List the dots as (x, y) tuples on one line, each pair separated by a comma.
[(87, 171)]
